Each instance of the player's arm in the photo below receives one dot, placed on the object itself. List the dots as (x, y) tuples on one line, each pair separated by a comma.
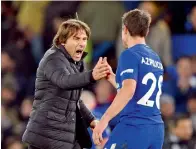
[(122, 98), (128, 66), (111, 77)]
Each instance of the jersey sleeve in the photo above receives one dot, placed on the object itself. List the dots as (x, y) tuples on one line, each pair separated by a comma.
[(128, 64)]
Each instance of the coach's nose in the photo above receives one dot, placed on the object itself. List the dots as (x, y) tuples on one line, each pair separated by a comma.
[(82, 44)]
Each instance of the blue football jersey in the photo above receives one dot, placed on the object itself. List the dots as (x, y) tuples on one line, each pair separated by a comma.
[(143, 65)]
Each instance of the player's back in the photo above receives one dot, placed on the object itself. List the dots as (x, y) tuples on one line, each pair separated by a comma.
[(142, 64)]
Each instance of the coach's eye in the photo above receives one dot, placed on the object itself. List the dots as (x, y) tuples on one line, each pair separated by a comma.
[(76, 38)]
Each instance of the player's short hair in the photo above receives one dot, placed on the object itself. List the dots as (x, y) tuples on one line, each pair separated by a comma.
[(137, 22), (67, 29)]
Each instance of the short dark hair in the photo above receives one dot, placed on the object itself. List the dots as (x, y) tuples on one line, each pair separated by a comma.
[(137, 22), (67, 29)]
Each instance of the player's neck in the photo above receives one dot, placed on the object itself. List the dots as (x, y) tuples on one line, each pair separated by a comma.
[(135, 40)]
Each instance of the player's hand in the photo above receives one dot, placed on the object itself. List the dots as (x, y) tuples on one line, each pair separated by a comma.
[(100, 70), (110, 75), (97, 132)]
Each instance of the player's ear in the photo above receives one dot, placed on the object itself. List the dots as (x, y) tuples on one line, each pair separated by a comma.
[(125, 29), (147, 32)]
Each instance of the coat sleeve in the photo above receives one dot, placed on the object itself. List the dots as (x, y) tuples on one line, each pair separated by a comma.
[(85, 112), (56, 71)]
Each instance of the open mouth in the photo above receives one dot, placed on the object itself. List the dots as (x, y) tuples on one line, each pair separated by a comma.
[(79, 51)]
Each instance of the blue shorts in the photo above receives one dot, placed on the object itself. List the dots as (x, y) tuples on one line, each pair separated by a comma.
[(126, 136)]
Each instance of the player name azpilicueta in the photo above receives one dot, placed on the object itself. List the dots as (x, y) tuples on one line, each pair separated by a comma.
[(149, 61)]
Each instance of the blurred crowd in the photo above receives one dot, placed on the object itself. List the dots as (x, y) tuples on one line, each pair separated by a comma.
[(27, 30)]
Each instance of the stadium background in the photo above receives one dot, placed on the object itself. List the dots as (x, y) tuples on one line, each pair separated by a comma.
[(27, 29)]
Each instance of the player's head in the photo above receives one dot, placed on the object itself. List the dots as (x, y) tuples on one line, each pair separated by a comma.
[(135, 23), (73, 35)]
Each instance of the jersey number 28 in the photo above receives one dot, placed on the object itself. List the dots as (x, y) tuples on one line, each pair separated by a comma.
[(145, 100)]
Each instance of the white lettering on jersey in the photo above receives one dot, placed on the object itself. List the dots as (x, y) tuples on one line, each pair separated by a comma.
[(143, 61), (126, 71), (151, 62), (147, 61)]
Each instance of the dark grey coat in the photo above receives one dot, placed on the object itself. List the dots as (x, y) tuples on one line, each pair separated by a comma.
[(59, 118)]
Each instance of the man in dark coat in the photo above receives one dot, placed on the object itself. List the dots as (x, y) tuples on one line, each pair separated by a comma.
[(59, 119)]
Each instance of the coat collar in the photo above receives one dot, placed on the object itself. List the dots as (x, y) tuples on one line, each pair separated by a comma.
[(67, 55)]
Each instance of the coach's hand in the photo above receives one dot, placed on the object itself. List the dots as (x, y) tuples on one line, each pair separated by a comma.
[(98, 130), (100, 70), (93, 124)]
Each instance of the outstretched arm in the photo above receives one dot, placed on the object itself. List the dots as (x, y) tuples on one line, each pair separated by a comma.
[(120, 101), (55, 70), (111, 77)]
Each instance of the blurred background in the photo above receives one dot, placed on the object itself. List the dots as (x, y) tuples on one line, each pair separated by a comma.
[(27, 30)]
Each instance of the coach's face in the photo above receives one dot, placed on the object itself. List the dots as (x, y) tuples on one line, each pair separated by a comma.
[(76, 44), (124, 36)]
